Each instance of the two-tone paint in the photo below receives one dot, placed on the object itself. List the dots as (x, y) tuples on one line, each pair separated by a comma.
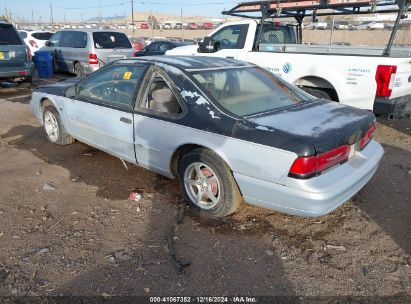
[(259, 150)]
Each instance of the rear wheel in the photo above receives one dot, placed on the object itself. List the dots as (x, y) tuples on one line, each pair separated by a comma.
[(208, 184), (55, 131), (79, 70)]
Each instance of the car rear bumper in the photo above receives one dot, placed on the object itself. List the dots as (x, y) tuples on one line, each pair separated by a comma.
[(16, 72), (394, 107), (316, 196)]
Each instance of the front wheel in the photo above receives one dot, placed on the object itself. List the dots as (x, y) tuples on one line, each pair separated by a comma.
[(55, 131), (208, 184)]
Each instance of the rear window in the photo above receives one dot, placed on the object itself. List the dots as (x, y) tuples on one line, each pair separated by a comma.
[(9, 36), (42, 36), (110, 40), (248, 91)]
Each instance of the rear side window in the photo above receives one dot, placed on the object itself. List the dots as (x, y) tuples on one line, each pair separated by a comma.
[(42, 36), (9, 36), (73, 39), (23, 35), (110, 40)]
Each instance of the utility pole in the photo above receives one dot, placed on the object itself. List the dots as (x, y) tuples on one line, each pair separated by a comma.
[(52, 17), (32, 17), (7, 14), (182, 26), (82, 20), (132, 15), (99, 14)]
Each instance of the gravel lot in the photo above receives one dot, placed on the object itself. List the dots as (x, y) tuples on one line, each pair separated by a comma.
[(84, 237)]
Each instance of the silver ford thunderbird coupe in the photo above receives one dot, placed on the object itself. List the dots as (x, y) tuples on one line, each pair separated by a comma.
[(228, 130)]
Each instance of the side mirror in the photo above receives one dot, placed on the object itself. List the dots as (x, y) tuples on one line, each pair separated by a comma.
[(71, 92), (207, 45), (48, 43)]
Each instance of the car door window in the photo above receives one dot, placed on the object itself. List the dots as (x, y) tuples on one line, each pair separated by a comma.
[(230, 37), (165, 46), (159, 96), (55, 39), (114, 85)]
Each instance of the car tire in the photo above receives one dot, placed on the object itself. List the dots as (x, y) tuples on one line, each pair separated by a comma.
[(79, 70), (54, 129), (27, 83), (202, 175), (317, 93)]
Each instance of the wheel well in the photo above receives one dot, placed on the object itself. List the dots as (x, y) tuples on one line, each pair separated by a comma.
[(45, 102), (319, 83), (180, 152), (74, 64)]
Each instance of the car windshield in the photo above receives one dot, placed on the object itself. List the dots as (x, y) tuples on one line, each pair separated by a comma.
[(8, 36), (110, 40), (248, 91)]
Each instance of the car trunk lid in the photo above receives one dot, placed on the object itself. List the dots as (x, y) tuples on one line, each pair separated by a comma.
[(324, 124)]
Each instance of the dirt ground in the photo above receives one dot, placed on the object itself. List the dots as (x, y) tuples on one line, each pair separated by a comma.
[(84, 237)]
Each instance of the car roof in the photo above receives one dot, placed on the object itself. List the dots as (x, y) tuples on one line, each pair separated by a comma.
[(191, 63)]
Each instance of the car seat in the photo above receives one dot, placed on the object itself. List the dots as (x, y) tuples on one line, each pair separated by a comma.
[(164, 101)]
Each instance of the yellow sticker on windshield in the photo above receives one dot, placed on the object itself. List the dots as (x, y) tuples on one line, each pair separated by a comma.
[(127, 75)]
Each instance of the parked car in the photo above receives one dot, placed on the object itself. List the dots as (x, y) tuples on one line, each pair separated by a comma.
[(207, 26), (226, 129), (138, 43), (167, 26), (35, 39), (84, 51), (144, 26), (152, 39), (178, 26), (15, 58), (192, 26), (159, 48)]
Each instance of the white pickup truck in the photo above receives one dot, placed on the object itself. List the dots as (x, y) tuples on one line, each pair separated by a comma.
[(360, 76)]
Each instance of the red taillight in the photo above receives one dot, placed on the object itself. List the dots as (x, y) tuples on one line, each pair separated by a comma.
[(368, 135), (28, 54), (92, 59), (385, 77), (33, 43), (309, 166)]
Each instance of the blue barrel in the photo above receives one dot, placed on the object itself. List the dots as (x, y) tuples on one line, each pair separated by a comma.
[(44, 64)]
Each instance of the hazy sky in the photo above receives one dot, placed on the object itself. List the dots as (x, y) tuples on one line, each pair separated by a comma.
[(72, 9)]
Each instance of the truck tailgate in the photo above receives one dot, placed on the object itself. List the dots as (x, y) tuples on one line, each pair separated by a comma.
[(402, 83)]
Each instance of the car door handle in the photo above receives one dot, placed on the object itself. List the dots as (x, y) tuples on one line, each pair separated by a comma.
[(125, 119), (230, 57)]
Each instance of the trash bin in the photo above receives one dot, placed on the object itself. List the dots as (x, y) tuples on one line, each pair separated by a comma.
[(44, 64)]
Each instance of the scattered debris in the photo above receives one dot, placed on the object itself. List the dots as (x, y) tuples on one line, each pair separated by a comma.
[(169, 247), (43, 250), (3, 274), (269, 252), (120, 255), (335, 247), (146, 290), (49, 186), (87, 154), (134, 196), (55, 225)]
